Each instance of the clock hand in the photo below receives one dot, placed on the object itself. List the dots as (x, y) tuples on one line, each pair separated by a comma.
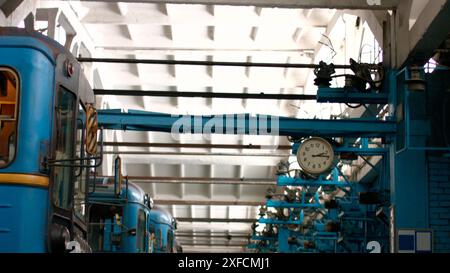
[(321, 155)]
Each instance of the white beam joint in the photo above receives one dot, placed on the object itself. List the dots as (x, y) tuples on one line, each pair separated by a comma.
[(12, 13)]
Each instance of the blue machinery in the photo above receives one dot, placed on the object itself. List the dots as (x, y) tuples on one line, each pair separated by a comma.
[(343, 223), (364, 215), (370, 214), (307, 222)]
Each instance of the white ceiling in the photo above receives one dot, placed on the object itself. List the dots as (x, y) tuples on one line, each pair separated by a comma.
[(210, 33), (204, 33)]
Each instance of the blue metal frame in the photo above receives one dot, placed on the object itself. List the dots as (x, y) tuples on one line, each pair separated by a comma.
[(348, 210), (404, 73), (262, 238), (294, 205), (283, 180), (343, 95), (243, 124), (289, 221), (360, 148)]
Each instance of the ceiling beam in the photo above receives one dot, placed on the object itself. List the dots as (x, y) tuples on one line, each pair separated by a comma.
[(193, 94), (82, 34), (428, 33), (198, 145), (201, 180), (209, 232), (2, 2), (213, 244), (204, 51), (372, 18), (216, 220), (211, 170), (213, 249), (203, 63), (211, 241), (193, 154), (181, 186), (13, 12), (366, 172), (202, 160), (304, 4), (213, 235), (207, 202)]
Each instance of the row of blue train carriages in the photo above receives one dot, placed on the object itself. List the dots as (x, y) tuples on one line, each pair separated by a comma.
[(123, 218), (50, 197)]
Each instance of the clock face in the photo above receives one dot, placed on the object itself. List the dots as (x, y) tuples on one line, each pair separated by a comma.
[(315, 155)]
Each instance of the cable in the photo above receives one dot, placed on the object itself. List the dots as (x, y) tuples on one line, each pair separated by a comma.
[(330, 46), (370, 164), (343, 176)]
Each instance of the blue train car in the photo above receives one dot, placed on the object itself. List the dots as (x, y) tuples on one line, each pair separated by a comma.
[(127, 222), (162, 231), (44, 103), (118, 222), (119, 213)]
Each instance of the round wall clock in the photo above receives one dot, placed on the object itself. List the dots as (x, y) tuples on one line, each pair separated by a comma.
[(315, 155)]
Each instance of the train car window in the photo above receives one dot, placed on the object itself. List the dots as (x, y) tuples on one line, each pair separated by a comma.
[(9, 94), (96, 234), (169, 241), (65, 133), (151, 240), (104, 233), (141, 231), (81, 173), (158, 241)]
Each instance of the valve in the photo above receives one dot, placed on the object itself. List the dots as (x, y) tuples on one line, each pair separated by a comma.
[(323, 74)]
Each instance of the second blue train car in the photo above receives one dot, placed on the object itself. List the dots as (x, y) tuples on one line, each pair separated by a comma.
[(162, 231), (122, 218)]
